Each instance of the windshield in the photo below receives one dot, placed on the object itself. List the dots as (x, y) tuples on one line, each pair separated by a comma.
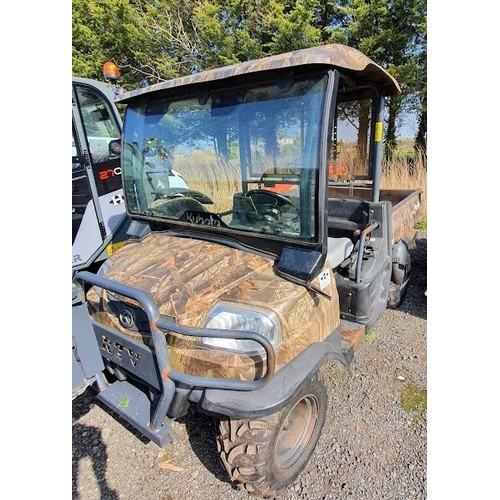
[(238, 160)]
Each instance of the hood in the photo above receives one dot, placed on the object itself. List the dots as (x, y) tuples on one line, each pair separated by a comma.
[(186, 277)]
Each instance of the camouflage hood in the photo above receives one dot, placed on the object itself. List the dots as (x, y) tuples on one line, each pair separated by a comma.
[(186, 277)]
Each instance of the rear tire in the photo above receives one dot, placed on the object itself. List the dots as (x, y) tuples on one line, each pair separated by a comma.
[(268, 453), (397, 294)]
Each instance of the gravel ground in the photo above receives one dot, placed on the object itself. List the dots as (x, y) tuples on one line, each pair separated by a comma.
[(373, 444)]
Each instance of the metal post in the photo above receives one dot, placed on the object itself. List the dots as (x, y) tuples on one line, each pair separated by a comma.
[(377, 147)]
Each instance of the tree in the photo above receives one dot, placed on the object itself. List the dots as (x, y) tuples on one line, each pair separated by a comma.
[(233, 31), (393, 34), (104, 30), (421, 93), (156, 40), (149, 41)]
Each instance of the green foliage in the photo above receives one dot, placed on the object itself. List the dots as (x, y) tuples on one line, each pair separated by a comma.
[(232, 31), (394, 35), (293, 26), (103, 30), (414, 401), (422, 224), (156, 40), (371, 337), (149, 41), (124, 401), (229, 31), (234, 151), (403, 154)]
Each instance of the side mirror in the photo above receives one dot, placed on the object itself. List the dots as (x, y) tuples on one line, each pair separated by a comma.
[(303, 264)]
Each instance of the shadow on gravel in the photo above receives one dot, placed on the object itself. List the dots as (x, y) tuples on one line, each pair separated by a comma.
[(201, 430), (87, 442), (82, 404), (415, 302)]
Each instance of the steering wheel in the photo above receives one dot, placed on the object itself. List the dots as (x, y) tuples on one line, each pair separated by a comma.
[(268, 203), (259, 196)]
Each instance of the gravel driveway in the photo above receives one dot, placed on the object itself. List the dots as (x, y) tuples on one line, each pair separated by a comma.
[(373, 444)]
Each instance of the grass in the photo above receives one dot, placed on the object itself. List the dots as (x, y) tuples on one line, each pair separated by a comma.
[(220, 179), (216, 178), (371, 337), (124, 402), (422, 223), (407, 172), (414, 401)]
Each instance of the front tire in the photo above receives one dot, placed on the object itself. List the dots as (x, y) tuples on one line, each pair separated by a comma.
[(268, 453)]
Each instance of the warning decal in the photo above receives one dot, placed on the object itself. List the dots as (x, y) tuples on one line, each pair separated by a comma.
[(324, 279)]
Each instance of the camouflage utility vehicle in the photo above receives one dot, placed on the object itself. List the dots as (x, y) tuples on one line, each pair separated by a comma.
[(279, 252)]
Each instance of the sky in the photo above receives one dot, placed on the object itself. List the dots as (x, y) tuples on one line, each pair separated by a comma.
[(407, 125), (463, 175)]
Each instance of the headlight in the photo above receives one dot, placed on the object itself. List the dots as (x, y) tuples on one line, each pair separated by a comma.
[(252, 319)]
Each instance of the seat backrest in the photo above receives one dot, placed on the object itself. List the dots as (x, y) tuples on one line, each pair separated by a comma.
[(338, 250)]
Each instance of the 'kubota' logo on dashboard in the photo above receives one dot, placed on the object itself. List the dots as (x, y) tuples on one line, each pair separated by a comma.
[(203, 220)]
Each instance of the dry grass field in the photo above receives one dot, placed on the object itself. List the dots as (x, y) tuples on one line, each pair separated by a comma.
[(404, 171)]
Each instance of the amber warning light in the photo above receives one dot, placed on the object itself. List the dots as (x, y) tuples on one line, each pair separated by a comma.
[(111, 72)]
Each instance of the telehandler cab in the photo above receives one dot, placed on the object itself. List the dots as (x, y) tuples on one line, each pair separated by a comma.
[(99, 218), (98, 208), (277, 254)]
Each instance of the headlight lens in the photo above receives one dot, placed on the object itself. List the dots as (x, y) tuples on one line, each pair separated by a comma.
[(258, 320)]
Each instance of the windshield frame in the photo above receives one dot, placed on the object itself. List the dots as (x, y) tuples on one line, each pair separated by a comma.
[(272, 243)]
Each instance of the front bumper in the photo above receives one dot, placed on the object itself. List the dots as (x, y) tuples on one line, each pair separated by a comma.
[(177, 390)]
